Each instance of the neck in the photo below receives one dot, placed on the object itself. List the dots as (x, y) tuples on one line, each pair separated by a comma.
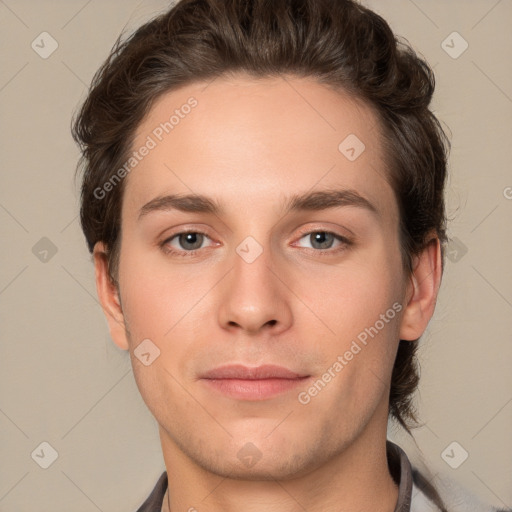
[(354, 478)]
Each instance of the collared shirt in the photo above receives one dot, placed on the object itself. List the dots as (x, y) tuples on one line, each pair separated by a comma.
[(415, 494)]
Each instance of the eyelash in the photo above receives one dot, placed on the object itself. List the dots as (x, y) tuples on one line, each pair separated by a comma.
[(326, 252)]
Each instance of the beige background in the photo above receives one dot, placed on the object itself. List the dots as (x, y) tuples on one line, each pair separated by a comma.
[(62, 381)]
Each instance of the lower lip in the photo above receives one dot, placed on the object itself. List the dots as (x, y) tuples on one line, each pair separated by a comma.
[(258, 389)]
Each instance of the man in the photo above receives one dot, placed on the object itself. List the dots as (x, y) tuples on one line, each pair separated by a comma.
[(291, 145)]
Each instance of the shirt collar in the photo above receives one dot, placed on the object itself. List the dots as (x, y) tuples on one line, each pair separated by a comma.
[(401, 471)]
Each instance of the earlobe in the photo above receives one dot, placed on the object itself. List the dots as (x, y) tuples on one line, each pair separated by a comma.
[(109, 297), (422, 292)]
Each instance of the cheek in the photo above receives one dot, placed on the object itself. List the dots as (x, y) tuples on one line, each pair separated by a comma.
[(361, 305), (156, 296), (362, 310), (164, 392), (158, 305), (351, 297)]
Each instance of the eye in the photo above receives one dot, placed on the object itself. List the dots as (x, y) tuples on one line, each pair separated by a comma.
[(188, 243), (185, 243), (324, 240)]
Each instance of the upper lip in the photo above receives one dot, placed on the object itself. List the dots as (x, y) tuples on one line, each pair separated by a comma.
[(238, 371)]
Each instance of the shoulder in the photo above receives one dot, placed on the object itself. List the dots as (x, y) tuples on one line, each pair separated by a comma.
[(446, 496)]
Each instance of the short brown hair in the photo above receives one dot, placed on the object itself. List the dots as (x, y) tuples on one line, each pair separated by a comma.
[(339, 43)]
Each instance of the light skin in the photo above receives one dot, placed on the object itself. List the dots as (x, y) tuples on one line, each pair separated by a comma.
[(249, 145)]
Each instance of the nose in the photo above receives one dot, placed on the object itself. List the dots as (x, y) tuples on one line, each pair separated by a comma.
[(255, 297)]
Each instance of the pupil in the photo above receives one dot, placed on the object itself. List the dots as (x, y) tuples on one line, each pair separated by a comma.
[(320, 238), (188, 238)]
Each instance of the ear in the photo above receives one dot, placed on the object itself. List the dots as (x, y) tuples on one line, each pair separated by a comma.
[(422, 291), (109, 297)]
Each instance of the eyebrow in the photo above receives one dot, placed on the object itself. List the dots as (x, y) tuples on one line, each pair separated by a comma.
[(310, 201)]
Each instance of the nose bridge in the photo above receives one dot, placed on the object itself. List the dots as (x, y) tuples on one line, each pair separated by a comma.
[(254, 296), (253, 265)]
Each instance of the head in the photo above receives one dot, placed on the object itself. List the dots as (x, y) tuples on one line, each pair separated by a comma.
[(254, 105)]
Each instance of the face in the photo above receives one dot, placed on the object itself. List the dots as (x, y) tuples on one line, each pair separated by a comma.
[(286, 254)]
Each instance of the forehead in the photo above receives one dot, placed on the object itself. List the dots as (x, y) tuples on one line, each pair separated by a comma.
[(246, 139)]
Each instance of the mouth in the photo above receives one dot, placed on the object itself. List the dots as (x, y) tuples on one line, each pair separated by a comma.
[(253, 383)]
